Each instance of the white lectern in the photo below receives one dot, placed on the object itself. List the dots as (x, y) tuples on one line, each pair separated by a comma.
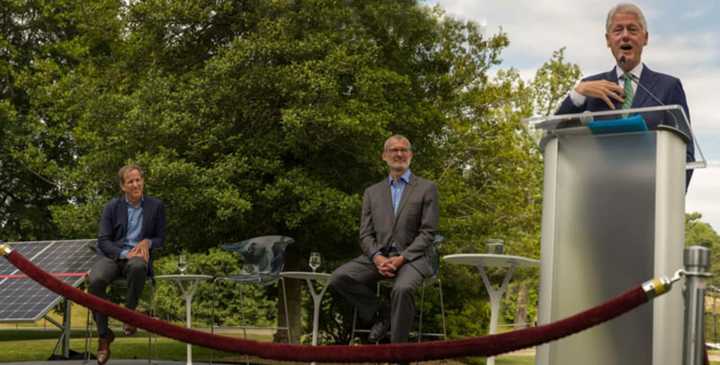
[(613, 217)]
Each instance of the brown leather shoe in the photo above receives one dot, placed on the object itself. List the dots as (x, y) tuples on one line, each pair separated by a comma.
[(129, 330), (103, 352)]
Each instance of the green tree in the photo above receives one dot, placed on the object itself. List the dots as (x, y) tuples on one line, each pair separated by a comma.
[(701, 233), (267, 117), (38, 46), (493, 179), (250, 117), (552, 82)]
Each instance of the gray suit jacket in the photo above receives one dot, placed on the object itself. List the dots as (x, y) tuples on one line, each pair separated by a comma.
[(412, 230)]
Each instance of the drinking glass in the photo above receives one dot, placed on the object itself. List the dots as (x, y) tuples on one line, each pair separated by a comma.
[(182, 264), (314, 261)]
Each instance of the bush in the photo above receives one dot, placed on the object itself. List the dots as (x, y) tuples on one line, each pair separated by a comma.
[(224, 303)]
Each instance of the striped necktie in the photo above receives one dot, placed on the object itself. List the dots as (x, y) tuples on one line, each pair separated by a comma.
[(629, 93)]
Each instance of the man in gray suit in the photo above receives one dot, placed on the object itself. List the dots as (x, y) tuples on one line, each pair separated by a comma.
[(398, 223)]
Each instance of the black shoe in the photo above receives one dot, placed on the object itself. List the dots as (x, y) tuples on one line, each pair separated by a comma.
[(379, 331)]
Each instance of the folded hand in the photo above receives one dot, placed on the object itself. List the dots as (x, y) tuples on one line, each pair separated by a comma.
[(389, 267), (141, 250), (381, 263)]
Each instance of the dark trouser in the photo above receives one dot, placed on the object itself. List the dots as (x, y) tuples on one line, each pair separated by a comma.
[(356, 281), (104, 272)]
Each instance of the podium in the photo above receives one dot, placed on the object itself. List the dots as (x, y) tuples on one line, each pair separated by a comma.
[(613, 217)]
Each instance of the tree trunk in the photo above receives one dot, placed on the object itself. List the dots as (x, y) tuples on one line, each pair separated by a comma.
[(522, 304), (293, 290)]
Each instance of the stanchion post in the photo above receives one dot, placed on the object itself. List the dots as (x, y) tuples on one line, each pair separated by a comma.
[(697, 269)]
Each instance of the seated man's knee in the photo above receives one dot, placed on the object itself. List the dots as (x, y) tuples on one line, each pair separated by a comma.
[(136, 267), (402, 290), (337, 278), (97, 284)]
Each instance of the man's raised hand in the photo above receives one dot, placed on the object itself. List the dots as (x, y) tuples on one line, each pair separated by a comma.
[(602, 89)]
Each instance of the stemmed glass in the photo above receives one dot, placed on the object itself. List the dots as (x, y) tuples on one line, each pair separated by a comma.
[(182, 264), (315, 260)]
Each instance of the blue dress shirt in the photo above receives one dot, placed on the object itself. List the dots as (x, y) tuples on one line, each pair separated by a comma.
[(397, 188), (135, 219)]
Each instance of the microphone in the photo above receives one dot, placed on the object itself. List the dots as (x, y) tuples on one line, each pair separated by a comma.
[(636, 80), (621, 62)]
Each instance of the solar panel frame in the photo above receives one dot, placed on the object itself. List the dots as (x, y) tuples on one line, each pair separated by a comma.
[(24, 300)]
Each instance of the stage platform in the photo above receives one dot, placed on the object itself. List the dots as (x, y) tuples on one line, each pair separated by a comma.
[(168, 362), (111, 362)]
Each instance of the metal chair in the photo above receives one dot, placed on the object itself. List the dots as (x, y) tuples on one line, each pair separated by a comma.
[(434, 279), (263, 259)]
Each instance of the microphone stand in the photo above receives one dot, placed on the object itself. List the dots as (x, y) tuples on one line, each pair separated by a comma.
[(636, 80)]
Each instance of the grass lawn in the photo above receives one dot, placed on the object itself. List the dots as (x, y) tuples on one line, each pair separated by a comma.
[(36, 344), (515, 360)]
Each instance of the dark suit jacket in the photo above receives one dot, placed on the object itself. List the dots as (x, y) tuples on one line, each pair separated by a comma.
[(412, 230), (665, 87), (114, 226)]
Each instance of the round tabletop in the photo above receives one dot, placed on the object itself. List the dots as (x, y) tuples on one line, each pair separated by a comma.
[(319, 276), (184, 277), (490, 260)]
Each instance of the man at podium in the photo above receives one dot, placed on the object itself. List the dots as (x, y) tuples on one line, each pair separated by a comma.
[(630, 84)]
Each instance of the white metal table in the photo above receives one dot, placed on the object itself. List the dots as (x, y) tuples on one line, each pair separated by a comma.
[(320, 277), (187, 284), (481, 261)]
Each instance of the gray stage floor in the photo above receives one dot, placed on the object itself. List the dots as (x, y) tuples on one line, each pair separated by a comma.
[(111, 362), (162, 362)]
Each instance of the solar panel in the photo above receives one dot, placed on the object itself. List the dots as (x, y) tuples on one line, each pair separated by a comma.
[(24, 300)]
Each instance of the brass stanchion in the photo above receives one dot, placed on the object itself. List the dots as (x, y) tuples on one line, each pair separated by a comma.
[(4, 249)]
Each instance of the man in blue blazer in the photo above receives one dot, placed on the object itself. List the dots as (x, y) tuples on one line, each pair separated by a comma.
[(131, 228), (626, 35)]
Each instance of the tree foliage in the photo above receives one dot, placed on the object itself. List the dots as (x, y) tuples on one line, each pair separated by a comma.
[(39, 44), (701, 233), (250, 117), (223, 303), (552, 82)]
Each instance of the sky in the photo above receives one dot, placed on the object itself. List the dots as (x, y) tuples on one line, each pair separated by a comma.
[(684, 41)]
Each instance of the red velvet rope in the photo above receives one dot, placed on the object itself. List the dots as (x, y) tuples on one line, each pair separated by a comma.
[(479, 346)]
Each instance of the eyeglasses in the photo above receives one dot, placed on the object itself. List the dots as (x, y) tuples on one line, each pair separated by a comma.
[(397, 150)]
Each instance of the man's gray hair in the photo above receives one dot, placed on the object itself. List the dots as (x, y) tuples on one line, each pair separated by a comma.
[(396, 137), (625, 8)]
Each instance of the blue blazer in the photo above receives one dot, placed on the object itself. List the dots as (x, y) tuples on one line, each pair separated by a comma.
[(114, 226), (665, 87)]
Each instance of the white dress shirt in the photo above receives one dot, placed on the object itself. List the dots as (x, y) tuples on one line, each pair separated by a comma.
[(579, 99)]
